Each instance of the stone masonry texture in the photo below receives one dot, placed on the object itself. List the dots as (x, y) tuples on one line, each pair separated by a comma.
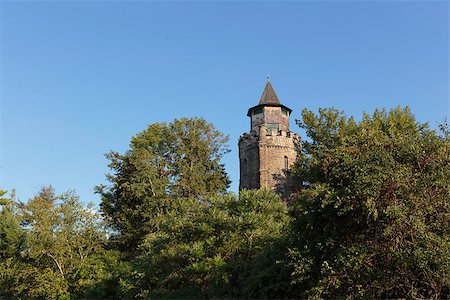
[(267, 152)]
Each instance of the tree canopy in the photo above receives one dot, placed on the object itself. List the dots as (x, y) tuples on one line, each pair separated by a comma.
[(63, 254), (167, 160), (11, 236), (370, 219), (209, 248)]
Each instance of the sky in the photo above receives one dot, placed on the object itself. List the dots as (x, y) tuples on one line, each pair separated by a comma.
[(80, 78)]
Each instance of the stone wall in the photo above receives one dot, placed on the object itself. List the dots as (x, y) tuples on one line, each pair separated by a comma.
[(249, 161), (268, 115), (264, 157)]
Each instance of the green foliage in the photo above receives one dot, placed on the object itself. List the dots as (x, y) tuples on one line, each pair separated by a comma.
[(63, 255), (372, 218), (11, 241), (11, 235), (179, 159), (207, 248), (61, 232)]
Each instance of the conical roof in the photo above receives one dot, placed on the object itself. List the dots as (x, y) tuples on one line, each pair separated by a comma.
[(269, 96)]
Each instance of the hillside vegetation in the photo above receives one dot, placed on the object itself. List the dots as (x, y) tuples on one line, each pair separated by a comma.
[(369, 219)]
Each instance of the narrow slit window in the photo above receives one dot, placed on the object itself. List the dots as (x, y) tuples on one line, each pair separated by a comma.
[(286, 163), (245, 167)]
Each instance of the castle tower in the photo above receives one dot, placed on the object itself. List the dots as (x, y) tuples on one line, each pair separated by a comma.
[(268, 151)]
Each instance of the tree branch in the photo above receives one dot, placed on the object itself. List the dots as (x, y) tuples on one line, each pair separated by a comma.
[(57, 264)]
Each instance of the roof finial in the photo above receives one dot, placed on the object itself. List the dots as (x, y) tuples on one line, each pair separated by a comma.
[(268, 77)]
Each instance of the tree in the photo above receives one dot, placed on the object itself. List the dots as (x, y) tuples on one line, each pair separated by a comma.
[(61, 231), (209, 248), (11, 235), (372, 217), (179, 159), (11, 243), (63, 255)]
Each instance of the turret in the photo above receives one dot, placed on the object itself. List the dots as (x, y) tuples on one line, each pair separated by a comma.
[(269, 111), (269, 149)]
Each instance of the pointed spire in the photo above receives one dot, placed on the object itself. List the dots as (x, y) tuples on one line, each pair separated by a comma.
[(269, 96)]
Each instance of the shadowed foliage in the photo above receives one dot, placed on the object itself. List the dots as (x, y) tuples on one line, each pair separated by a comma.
[(370, 219)]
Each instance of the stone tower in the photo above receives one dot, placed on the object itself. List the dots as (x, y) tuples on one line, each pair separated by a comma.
[(268, 151)]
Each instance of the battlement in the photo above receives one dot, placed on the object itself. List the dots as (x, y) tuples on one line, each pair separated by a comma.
[(285, 133), (271, 132)]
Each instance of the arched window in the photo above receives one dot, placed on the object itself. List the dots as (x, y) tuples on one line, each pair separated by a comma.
[(286, 163)]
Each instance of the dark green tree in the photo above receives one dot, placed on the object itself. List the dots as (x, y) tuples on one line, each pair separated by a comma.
[(372, 219), (179, 159), (11, 235), (208, 248), (11, 243)]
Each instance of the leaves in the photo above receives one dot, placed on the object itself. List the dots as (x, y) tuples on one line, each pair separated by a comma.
[(371, 191), (208, 248), (179, 159), (63, 254), (11, 235), (371, 220)]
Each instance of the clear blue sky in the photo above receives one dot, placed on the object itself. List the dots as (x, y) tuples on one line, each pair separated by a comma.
[(78, 79)]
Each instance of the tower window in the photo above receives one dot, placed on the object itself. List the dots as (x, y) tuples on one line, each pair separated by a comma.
[(257, 111), (271, 126), (284, 112), (286, 163)]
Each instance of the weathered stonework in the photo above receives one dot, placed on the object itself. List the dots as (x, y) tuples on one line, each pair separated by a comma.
[(267, 152)]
